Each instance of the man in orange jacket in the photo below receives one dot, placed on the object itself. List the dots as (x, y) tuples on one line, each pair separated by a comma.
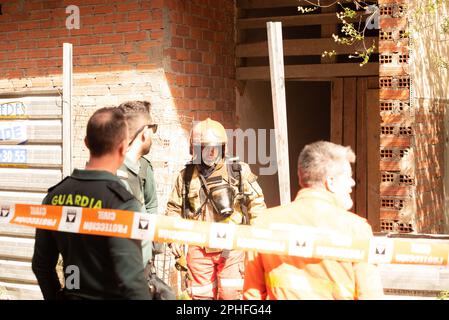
[(325, 175)]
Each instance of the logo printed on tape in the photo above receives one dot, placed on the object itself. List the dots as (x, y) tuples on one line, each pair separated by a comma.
[(5, 211), (301, 244), (221, 235), (143, 223), (71, 216), (381, 250), (71, 219), (144, 226)]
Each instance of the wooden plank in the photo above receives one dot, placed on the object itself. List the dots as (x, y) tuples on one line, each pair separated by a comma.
[(67, 109), (21, 197), (44, 130), (17, 271), (373, 82), (274, 30), (310, 71), (28, 179), (16, 291), (299, 47), (337, 111), (350, 112), (350, 122), (327, 30), (361, 168), (260, 4), (16, 248), (294, 21), (373, 158), (13, 230)]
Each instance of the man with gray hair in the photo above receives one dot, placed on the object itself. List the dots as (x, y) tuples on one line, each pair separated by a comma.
[(325, 176)]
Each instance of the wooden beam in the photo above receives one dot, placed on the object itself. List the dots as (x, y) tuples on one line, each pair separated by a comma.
[(362, 84), (67, 109), (302, 47), (260, 4), (276, 55), (337, 111), (294, 21), (310, 71), (350, 122), (373, 158)]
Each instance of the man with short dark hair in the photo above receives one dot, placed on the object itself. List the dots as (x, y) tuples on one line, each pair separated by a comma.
[(324, 171), (136, 171), (109, 267)]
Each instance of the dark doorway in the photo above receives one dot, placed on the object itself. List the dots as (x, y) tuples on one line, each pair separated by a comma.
[(308, 120)]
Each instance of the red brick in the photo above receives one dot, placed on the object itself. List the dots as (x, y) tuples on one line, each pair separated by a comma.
[(151, 25), (103, 9), (48, 43), (38, 34), (110, 59), (136, 36), (126, 48), (190, 93), (208, 58), (37, 54), (195, 81), (177, 42), (203, 45), (89, 40), (191, 68), (190, 44), (101, 50), (177, 66), (126, 7), (86, 60), (103, 28), (139, 16), (115, 18), (182, 80), (127, 27), (182, 55), (112, 39), (137, 57), (204, 70), (156, 34), (156, 14), (196, 56), (146, 66), (182, 31)]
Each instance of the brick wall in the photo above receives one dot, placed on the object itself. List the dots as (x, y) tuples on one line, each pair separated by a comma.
[(412, 130), (177, 54), (199, 58)]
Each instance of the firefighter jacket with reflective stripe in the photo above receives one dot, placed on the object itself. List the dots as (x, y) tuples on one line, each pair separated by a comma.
[(270, 276)]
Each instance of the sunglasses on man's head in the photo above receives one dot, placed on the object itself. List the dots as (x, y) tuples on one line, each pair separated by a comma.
[(149, 126)]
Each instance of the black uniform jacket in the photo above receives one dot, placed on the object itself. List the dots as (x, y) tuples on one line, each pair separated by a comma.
[(109, 267)]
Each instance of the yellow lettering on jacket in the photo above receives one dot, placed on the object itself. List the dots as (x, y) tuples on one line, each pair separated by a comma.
[(79, 201)]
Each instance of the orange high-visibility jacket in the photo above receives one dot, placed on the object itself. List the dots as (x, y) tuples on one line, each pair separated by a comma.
[(270, 276)]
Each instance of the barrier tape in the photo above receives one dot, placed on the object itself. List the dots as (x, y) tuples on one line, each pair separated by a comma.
[(284, 239)]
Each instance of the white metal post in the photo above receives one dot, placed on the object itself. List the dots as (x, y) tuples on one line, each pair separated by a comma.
[(67, 110)]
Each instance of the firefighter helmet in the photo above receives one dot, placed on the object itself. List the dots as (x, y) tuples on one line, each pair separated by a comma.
[(208, 133)]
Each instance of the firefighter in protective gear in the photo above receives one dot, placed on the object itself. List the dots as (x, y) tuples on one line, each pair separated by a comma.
[(211, 189)]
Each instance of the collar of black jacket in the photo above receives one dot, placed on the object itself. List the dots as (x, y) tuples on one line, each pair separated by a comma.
[(93, 175)]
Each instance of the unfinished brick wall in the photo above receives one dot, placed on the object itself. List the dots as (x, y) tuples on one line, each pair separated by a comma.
[(200, 58), (177, 54), (412, 134)]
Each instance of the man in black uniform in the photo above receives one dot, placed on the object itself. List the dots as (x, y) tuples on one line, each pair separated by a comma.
[(109, 267)]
